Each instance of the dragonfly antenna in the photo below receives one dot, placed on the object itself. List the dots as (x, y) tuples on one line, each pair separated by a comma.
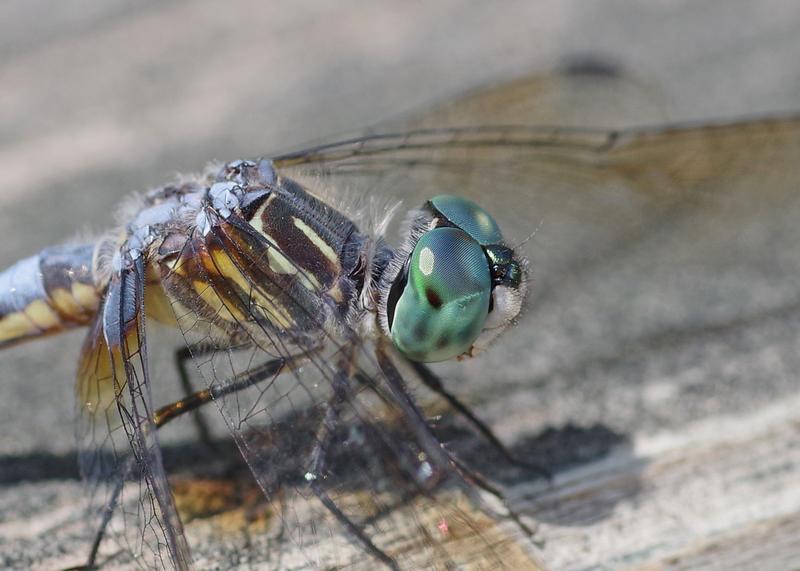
[(531, 235)]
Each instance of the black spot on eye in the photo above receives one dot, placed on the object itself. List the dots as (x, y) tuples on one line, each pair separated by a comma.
[(443, 342), (433, 298)]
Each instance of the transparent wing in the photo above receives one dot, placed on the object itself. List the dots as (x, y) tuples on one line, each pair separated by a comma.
[(353, 474), (583, 94), (635, 236), (590, 190), (120, 457)]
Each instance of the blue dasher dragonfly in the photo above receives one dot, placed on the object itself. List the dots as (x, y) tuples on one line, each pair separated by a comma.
[(310, 324)]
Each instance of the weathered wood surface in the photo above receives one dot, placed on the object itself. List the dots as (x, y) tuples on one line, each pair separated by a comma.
[(695, 468)]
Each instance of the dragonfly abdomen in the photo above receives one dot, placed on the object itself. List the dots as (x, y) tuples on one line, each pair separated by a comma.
[(47, 293)]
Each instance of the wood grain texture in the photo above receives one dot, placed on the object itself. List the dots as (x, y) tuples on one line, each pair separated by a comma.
[(669, 454)]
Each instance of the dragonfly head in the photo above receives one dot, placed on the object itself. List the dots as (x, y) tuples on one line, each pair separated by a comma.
[(454, 286)]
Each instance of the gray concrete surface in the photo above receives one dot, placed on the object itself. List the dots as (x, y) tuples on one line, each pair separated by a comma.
[(102, 99)]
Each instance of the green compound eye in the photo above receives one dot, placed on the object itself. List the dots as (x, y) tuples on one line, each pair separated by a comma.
[(446, 300), (470, 217)]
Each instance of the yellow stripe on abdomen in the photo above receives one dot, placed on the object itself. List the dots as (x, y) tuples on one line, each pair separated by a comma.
[(47, 293)]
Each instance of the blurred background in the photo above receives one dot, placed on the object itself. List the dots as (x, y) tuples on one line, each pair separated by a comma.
[(99, 99)]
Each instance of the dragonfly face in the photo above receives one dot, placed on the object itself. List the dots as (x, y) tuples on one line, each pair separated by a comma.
[(458, 286)]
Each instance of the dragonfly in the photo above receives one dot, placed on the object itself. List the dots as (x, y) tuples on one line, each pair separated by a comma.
[(314, 287)]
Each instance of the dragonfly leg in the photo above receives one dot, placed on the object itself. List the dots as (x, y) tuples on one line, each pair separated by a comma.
[(486, 486), (108, 512), (466, 474), (434, 383), (182, 357), (169, 412), (318, 467)]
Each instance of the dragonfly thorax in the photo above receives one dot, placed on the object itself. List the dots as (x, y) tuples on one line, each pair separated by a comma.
[(286, 261)]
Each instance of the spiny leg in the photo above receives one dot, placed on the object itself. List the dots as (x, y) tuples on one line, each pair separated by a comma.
[(434, 383), (318, 464), (182, 356), (169, 412), (397, 386)]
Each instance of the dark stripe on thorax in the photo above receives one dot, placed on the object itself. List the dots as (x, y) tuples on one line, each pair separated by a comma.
[(309, 232)]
